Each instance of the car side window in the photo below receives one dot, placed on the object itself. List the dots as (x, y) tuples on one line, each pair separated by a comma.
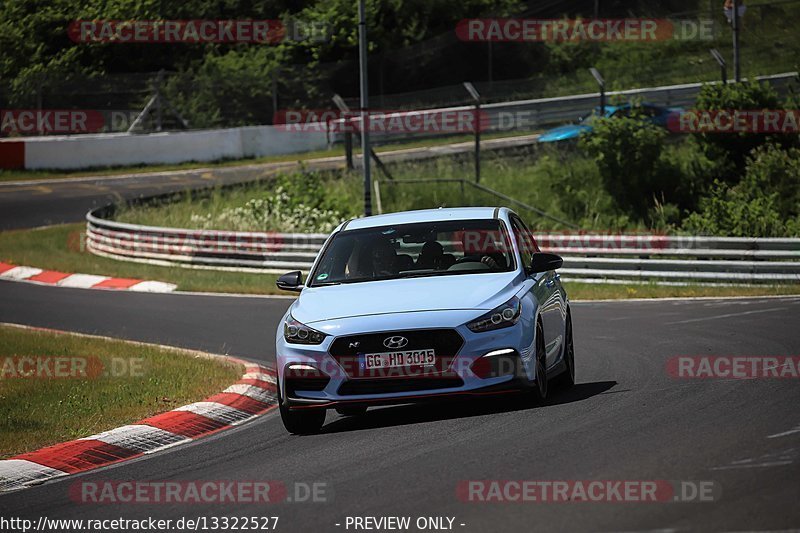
[(525, 241), (650, 111)]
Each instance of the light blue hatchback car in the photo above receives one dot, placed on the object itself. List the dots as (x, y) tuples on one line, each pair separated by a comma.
[(420, 306)]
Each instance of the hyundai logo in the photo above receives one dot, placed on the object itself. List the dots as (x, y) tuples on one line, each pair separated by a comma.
[(395, 342)]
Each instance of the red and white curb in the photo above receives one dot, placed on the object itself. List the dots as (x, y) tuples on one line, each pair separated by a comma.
[(81, 281), (253, 395)]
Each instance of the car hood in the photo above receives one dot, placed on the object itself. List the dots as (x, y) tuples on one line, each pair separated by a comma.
[(436, 293), (568, 131)]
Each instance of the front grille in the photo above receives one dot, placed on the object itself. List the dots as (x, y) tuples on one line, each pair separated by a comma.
[(390, 385), (347, 350)]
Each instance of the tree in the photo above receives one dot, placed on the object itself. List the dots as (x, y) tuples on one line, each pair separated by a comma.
[(627, 152), (731, 150)]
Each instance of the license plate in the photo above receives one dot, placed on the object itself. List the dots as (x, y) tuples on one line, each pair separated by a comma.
[(396, 359)]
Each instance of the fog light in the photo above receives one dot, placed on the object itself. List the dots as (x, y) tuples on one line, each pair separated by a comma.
[(496, 363), (300, 370), (303, 377)]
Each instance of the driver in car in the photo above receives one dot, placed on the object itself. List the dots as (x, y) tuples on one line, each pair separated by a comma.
[(431, 255), (384, 259), (484, 250)]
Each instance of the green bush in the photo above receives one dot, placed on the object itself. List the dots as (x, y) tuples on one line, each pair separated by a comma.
[(731, 150), (627, 152), (765, 203), (565, 185), (297, 202), (233, 89), (688, 170), (575, 191)]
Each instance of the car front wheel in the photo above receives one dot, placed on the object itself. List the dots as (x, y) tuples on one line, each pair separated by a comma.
[(567, 378), (540, 386), (301, 421)]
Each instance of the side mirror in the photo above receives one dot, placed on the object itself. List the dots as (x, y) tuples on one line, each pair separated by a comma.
[(291, 281), (544, 262)]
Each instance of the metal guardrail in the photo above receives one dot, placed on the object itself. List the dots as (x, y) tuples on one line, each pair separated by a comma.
[(586, 256), (536, 113)]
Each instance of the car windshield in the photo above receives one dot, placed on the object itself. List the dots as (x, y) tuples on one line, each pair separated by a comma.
[(415, 250), (590, 118)]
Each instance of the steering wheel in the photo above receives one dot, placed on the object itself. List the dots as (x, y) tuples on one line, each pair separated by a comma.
[(469, 259)]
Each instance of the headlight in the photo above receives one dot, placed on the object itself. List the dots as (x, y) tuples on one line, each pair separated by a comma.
[(504, 316), (295, 332)]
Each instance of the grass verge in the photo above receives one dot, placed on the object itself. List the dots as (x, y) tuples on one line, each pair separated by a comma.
[(608, 291), (58, 248), (122, 383)]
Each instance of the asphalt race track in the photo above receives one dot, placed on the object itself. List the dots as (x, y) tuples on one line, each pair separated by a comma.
[(26, 204), (46, 202), (627, 419)]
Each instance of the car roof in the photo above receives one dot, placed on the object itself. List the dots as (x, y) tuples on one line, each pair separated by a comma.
[(424, 215), (612, 108), (609, 108)]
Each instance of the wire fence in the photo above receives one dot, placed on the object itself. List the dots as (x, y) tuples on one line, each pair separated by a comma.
[(187, 100)]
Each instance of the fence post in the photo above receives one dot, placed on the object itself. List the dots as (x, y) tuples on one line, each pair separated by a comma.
[(602, 83), (344, 111), (159, 107), (378, 202), (348, 150), (477, 127), (274, 95)]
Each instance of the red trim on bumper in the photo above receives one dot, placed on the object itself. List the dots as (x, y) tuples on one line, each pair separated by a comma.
[(400, 400)]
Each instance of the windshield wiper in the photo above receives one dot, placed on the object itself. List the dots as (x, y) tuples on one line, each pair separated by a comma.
[(438, 273), (404, 275)]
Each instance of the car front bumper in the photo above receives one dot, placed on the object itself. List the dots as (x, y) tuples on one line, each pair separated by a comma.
[(337, 385)]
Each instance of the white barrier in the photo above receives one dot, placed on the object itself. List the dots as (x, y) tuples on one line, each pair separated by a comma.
[(85, 151), (101, 150), (586, 256)]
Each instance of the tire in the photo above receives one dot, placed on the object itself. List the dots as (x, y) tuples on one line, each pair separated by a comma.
[(540, 385), (567, 378), (351, 410), (301, 422)]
